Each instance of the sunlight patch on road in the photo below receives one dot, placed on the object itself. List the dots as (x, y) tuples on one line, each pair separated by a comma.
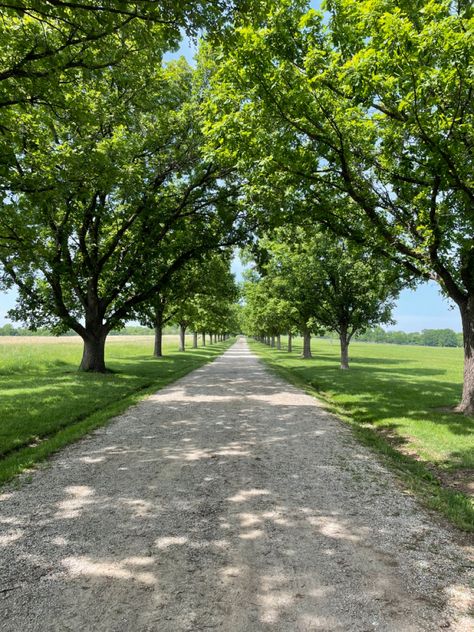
[(332, 529), (86, 566), (252, 535), (247, 494), (167, 541), (80, 497), (12, 536), (275, 598)]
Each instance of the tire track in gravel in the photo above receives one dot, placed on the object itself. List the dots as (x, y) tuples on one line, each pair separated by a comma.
[(229, 501)]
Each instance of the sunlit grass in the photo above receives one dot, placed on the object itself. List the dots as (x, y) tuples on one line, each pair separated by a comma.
[(45, 402), (396, 398)]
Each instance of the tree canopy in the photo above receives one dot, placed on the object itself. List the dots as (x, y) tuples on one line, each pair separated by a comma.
[(370, 116), (316, 282), (115, 186)]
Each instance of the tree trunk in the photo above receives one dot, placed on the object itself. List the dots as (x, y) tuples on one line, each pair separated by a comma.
[(467, 316), (182, 337), (272, 341), (344, 340), (195, 340), (307, 344), (210, 339), (290, 343), (158, 351), (203, 338), (93, 355), (279, 342)]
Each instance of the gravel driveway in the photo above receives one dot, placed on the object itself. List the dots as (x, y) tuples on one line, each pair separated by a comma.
[(228, 501)]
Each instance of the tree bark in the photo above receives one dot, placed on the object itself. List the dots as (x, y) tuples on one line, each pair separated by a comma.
[(272, 341), (158, 351), (210, 339), (290, 343), (279, 342), (195, 340), (306, 344), (466, 405), (93, 354), (182, 337), (344, 340), (203, 338)]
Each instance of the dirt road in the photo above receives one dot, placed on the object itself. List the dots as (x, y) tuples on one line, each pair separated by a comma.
[(228, 501)]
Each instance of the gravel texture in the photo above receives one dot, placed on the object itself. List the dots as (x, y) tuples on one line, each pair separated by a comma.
[(227, 501)]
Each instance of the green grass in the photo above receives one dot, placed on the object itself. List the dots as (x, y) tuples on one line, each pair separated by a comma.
[(46, 402), (392, 396)]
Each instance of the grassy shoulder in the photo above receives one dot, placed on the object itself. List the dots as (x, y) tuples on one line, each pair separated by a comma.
[(393, 396), (47, 403)]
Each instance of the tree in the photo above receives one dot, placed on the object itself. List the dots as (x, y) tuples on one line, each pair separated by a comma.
[(47, 44), (157, 312), (438, 338), (213, 306), (205, 279), (266, 313), (286, 276), (111, 188), (375, 108), (338, 286)]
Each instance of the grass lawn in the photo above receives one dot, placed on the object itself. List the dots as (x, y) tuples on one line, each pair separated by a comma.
[(45, 402), (392, 396)]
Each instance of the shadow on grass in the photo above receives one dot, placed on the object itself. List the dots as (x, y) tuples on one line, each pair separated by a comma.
[(373, 394)]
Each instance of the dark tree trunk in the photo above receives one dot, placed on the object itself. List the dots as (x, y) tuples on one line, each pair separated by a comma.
[(93, 355), (158, 351), (182, 337), (279, 342), (467, 316), (290, 343), (344, 340), (210, 339), (307, 344), (195, 340), (272, 341), (203, 338)]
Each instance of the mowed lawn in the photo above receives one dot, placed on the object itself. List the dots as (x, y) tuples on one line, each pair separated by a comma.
[(45, 402), (398, 391)]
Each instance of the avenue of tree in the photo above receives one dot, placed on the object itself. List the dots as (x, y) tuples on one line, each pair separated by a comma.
[(368, 115), (313, 282), (335, 147)]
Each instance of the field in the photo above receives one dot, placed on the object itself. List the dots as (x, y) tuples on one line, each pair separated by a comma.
[(394, 397), (45, 402)]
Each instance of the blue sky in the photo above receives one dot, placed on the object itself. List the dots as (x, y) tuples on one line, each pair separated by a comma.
[(422, 308)]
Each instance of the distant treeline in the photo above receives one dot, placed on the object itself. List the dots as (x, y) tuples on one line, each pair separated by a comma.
[(427, 337), (131, 330)]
